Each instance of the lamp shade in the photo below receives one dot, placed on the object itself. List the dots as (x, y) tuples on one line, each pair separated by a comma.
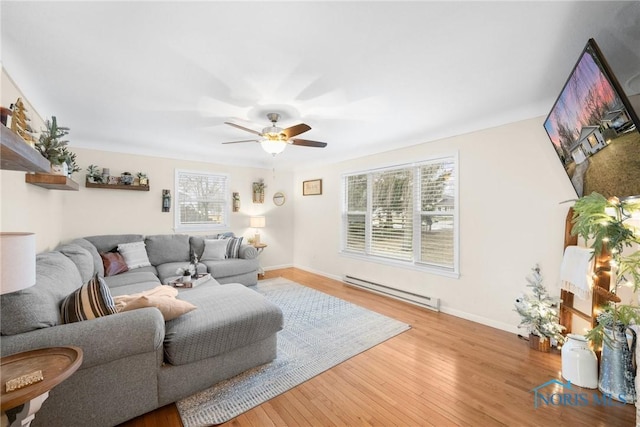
[(17, 261), (257, 222)]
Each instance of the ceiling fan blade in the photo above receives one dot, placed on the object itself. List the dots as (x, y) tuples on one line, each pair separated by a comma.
[(243, 128), (308, 143), (244, 140), (296, 130)]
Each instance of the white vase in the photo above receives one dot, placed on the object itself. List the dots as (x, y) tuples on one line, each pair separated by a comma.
[(579, 362), (61, 169)]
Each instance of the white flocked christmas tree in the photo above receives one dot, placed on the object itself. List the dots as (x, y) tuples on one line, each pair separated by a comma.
[(539, 312)]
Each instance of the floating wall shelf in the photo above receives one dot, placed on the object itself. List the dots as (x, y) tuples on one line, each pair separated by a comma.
[(51, 181), (17, 155), (117, 186)]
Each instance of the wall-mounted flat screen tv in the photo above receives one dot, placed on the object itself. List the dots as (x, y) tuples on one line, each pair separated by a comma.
[(594, 130)]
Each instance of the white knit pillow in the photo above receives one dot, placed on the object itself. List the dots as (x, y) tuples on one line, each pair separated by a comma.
[(134, 254)]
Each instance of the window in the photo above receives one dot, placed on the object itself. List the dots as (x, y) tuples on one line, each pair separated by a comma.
[(202, 201), (403, 214)]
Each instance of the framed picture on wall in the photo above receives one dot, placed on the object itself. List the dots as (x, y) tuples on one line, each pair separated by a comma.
[(312, 187)]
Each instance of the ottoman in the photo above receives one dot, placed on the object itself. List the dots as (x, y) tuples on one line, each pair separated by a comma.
[(228, 317)]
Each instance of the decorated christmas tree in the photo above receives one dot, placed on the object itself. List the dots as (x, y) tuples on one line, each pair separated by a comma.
[(539, 312)]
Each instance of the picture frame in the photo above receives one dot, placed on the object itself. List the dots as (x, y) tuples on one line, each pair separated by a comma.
[(312, 187)]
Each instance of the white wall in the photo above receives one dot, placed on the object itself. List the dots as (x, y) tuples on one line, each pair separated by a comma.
[(25, 207), (107, 211), (511, 186)]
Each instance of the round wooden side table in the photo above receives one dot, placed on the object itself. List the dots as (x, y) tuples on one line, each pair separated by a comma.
[(56, 363), (260, 247)]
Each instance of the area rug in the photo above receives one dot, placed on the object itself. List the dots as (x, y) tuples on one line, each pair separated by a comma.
[(320, 331)]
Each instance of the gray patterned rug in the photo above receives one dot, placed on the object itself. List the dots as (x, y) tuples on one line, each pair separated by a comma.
[(320, 332)]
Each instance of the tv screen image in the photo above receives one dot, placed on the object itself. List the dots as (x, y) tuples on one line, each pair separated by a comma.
[(594, 130)]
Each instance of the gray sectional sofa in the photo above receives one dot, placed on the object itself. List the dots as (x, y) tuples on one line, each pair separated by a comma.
[(135, 361)]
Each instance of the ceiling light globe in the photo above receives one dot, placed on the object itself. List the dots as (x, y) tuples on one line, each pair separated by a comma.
[(273, 147)]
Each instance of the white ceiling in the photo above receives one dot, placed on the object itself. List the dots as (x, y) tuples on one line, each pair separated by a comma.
[(160, 78)]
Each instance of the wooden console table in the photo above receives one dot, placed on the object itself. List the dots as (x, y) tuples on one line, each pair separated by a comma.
[(56, 363)]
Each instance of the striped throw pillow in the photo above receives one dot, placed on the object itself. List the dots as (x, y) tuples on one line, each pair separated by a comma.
[(233, 247), (90, 301)]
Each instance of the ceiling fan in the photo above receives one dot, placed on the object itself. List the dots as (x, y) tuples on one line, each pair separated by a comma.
[(274, 139)]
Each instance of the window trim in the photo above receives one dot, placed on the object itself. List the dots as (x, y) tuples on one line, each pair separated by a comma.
[(415, 263), (178, 226)]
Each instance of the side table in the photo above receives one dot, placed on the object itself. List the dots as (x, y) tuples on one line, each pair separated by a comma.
[(56, 363), (260, 247)]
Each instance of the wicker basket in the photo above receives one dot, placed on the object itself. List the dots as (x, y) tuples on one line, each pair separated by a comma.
[(538, 344)]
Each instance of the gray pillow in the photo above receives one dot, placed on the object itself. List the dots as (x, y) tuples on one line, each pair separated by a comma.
[(214, 250)]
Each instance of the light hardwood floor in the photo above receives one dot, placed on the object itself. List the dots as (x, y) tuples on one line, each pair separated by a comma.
[(445, 371)]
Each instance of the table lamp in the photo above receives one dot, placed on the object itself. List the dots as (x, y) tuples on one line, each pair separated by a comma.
[(17, 261), (257, 222)]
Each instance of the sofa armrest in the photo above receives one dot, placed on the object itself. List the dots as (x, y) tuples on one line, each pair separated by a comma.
[(247, 252), (102, 340)]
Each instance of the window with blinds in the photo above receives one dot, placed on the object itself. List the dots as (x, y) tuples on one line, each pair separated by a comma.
[(405, 213), (202, 201)]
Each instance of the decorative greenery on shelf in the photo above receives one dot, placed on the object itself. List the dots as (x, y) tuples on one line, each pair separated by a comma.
[(94, 174), (51, 145), (612, 225), (539, 312), (70, 160)]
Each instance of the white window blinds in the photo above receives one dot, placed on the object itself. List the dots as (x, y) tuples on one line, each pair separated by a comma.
[(405, 213), (202, 200)]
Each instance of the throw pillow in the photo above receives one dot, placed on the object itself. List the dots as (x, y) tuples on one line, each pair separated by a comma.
[(114, 263), (161, 297), (90, 301), (135, 254), (214, 250), (233, 247)]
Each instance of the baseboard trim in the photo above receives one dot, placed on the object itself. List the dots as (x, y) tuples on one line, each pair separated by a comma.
[(443, 308)]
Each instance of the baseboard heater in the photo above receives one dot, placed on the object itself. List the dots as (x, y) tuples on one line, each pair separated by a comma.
[(421, 300)]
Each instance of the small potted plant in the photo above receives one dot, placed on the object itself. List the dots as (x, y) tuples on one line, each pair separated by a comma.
[(52, 147), (70, 160), (190, 271), (94, 175), (142, 178)]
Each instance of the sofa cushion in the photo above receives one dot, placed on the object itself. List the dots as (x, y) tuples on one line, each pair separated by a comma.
[(161, 297), (97, 261), (163, 248), (39, 306), (135, 254), (81, 258), (90, 301), (106, 243), (214, 250), (114, 263), (228, 317), (139, 275), (231, 267)]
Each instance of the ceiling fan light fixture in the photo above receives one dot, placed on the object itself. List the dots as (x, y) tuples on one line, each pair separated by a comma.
[(273, 146)]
